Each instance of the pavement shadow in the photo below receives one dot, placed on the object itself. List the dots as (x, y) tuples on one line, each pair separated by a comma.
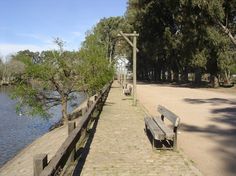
[(159, 144), (83, 152), (223, 132), (213, 101), (175, 84)]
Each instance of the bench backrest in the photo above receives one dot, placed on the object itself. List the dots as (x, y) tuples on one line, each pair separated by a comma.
[(169, 115)]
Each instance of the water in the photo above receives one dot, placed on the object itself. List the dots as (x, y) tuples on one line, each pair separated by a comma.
[(17, 131)]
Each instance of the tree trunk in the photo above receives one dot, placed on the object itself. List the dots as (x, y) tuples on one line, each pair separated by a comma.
[(184, 76), (176, 77), (227, 77), (64, 109), (198, 76), (169, 76), (159, 75), (163, 75), (214, 81)]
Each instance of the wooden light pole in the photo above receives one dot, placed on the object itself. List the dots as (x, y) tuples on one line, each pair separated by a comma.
[(135, 50)]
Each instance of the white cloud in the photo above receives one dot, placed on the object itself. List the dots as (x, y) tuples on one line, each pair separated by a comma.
[(39, 37), (7, 49), (77, 34), (45, 43)]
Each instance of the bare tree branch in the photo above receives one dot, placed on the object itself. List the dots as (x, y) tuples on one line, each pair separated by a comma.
[(228, 32)]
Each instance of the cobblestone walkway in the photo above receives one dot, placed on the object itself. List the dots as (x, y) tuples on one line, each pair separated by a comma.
[(121, 148)]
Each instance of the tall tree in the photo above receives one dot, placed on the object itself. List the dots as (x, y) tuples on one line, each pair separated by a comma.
[(108, 29), (182, 36), (1, 69), (96, 69)]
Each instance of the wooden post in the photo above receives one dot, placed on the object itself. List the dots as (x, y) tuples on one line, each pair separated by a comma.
[(84, 110), (175, 139), (71, 127), (89, 103), (162, 117), (125, 79), (134, 68), (135, 50), (40, 162)]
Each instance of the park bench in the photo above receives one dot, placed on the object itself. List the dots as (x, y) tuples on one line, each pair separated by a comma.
[(127, 90), (165, 136)]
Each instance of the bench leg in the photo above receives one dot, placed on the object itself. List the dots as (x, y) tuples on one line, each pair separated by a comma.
[(153, 144), (175, 142)]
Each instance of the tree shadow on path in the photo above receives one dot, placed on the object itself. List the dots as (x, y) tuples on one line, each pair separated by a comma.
[(83, 152), (222, 131)]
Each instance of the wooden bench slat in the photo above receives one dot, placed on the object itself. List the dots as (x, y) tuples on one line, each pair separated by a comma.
[(169, 134), (169, 115), (157, 133)]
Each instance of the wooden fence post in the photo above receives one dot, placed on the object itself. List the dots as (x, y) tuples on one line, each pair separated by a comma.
[(89, 103), (40, 162), (84, 110), (71, 127)]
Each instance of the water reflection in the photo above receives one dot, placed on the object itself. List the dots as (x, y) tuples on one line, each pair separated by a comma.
[(16, 131)]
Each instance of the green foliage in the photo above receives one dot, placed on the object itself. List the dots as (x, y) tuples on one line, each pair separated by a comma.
[(183, 36), (108, 29), (51, 78), (96, 69), (53, 72), (28, 101)]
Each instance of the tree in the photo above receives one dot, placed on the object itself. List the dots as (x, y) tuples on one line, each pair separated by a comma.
[(1, 69), (227, 22), (183, 36), (108, 29), (53, 78), (49, 80), (96, 69)]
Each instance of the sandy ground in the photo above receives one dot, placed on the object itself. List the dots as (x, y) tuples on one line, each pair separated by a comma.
[(208, 124)]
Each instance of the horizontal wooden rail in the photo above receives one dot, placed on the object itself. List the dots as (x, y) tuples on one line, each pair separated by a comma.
[(60, 159)]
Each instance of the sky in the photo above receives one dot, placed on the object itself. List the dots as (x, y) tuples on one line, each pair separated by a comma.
[(33, 24)]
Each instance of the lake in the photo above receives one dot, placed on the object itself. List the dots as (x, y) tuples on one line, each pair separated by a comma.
[(17, 131)]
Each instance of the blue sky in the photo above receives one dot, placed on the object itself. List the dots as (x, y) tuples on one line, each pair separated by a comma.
[(32, 24)]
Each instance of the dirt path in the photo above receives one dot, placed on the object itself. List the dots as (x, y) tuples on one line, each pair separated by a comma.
[(208, 128)]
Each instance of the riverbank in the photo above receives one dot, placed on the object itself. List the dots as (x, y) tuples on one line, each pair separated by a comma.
[(22, 163), (19, 130)]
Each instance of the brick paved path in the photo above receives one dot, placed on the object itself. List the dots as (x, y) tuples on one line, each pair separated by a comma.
[(121, 148)]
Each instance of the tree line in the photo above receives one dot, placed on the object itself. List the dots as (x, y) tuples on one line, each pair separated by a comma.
[(178, 37)]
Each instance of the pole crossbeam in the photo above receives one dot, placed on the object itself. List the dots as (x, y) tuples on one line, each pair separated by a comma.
[(125, 36), (135, 50)]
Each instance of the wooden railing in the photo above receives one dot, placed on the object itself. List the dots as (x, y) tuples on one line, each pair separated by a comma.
[(67, 152)]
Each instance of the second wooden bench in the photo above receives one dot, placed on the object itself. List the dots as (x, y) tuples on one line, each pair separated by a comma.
[(160, 131)]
